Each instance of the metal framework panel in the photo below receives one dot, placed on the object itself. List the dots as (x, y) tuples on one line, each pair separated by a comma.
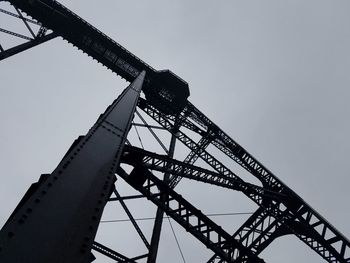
[(280, 210)]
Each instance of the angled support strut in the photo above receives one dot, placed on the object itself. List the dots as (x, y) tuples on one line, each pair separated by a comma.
[(193, 220)]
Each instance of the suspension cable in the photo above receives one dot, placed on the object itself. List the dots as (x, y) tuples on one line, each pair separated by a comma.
[(138, 135), (177, 241), (152, 132), (152, 218)]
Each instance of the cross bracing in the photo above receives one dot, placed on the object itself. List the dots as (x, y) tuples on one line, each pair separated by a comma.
[(295, 216)]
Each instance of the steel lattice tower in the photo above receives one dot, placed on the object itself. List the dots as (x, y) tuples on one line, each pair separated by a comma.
[(94, 159)]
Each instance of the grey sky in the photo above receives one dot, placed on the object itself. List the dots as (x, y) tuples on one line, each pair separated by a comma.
[(273, 74)]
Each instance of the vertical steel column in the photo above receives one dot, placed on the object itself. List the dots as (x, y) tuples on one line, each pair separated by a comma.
[(153, 251), (57, 220)]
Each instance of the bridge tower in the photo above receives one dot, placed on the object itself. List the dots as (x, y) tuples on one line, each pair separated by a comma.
[(58, 217)]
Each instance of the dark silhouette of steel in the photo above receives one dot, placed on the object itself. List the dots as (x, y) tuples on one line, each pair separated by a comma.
[(192, 219), (161, 163), (111, 253), (160, 212), (25, 46), (33, 40), (280, 210), (299, 215), (58, 221)]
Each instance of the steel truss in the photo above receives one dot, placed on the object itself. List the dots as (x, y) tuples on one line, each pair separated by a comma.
[(300, 219), (279, 211), (34, 39), (193, 220)]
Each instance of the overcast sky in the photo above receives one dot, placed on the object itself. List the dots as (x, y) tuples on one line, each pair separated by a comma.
[(273, 74)]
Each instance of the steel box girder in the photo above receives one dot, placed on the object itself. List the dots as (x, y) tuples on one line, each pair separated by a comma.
[(58, 220), (84, 36), (165, 89)]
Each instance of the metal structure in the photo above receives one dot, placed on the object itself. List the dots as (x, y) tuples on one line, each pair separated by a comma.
[(94, 159)]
